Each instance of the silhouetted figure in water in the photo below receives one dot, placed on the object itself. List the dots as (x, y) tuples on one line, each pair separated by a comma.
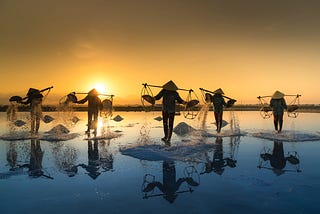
[(94, 105), (278, 104), (93, 160), (218, 162), (35, 164), (169, 97), (277, 158), (34, 98), (170, 186)]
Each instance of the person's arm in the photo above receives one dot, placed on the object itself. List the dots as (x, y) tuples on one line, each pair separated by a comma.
[(83, 100), (271, 103), (159, 95), (179, 99), (284, 104)]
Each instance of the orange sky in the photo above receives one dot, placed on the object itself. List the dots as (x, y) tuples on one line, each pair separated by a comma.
[(248, 48)]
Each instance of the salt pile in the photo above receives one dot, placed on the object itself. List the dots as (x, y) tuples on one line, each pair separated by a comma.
[(75, 119), (159, 118), (19, 123), (183, 128), (47, 118), (59, 129), (118, 118)]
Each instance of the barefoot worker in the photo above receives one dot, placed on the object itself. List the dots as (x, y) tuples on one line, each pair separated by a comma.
[(94, 104), (34, 98), (218, 103), (170, 96), (278, 104)]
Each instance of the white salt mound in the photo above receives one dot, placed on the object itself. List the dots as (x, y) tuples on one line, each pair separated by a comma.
[(19, 123), (183, 128), (59, 129), (118, 118), (159, 118), (75, 119), (47, 118)]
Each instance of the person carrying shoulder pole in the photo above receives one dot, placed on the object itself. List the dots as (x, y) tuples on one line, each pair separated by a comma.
[(278, 104), (169, 97)]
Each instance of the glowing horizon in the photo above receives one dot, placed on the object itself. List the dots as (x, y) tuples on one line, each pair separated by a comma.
[(248, 49)]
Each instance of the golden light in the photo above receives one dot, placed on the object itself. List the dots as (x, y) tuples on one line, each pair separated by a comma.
[(100, 87)]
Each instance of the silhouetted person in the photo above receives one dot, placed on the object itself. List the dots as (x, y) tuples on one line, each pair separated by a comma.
[(218, 103), (93, 160), (169, 186), (169, 97), (34, 98), (278, 104), (94, 104)]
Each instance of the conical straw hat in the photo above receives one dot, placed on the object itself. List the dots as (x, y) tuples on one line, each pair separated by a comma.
[(218, 91), (170, 86), (93, 92), (277, 95)]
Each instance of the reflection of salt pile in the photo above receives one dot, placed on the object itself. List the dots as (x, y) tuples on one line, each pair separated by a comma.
[(118, 118), (19, 123), (59, 129), (159, 118), (183, 128), (47, 118)]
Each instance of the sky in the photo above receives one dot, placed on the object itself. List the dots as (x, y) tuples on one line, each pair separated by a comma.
[(248, 48)]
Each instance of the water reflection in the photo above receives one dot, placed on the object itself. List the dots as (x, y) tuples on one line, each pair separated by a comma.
[(34, 165), (219, 162), (65, 158), (98, 162), (278, 160), (170, 185)]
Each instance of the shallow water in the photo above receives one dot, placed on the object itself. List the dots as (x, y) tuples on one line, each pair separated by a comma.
[(127, 167)]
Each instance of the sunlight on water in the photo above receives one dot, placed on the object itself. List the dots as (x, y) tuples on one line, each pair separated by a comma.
[(127, 163)]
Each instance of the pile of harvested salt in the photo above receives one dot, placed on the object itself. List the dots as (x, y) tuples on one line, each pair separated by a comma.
[(19, 123), (159, 118), (59, 129), (118, 118), (47, 119), (183, 128), (75, 119)]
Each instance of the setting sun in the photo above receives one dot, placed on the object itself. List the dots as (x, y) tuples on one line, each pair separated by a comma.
[(101, 88)]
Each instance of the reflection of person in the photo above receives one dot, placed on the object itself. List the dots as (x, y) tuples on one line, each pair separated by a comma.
[(278, 159), (35, 169), (218, 163), (278, 104), (169, 185), (94, 104), (169, 97), (218, 103), (93, 160), (34, 98)]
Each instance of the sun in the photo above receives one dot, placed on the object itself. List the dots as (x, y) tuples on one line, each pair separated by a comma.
[(100, 87)]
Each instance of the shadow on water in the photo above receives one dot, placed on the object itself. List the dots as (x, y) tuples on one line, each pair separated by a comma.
[(276, 160), (170, 185)]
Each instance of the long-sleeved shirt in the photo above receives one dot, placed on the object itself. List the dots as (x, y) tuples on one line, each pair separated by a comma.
[(169, 100), (278, 106), (218, 103), (93, 102)]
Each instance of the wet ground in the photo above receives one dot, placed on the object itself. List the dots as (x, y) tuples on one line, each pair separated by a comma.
[(247, 168)]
